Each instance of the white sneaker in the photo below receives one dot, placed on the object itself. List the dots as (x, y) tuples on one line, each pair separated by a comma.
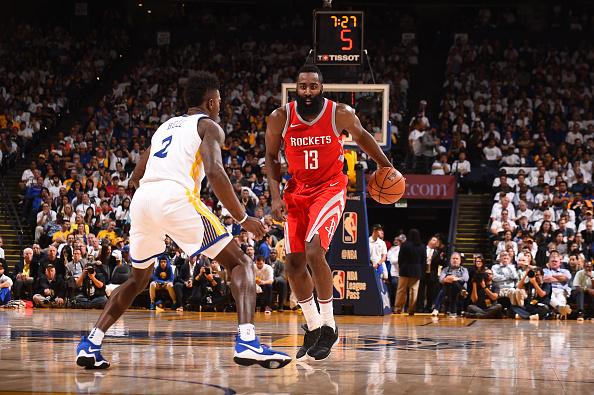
[(534, 317), (435, 313)]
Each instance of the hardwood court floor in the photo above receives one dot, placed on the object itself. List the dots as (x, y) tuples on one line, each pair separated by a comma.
[(191, 353)]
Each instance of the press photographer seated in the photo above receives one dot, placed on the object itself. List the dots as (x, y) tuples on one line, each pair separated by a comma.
[(483, 296), (538, 296), (91, 289), (208, 289)]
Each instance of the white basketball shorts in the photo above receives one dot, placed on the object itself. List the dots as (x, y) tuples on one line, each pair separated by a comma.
[(167, 208)]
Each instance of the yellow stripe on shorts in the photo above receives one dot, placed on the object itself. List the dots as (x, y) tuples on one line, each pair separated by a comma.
[(206, 213)]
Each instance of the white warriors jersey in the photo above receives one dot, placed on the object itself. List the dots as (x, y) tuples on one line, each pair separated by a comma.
[(175, 154)]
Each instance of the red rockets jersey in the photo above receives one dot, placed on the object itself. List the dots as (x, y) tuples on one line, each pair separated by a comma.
[(313, 149)]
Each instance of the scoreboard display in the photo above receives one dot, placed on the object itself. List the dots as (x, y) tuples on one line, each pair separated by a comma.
[(338, 37)]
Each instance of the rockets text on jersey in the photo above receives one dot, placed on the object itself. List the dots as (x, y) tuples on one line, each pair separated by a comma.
[(313, 149)]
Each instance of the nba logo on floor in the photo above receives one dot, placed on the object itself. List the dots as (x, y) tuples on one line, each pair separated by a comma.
[(349, 227), (338, 282)]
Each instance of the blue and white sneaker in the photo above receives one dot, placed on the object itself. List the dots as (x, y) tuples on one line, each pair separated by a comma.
[(250, 353), (89, 355)]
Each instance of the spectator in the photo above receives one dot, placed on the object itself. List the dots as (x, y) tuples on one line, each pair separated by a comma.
[(429, 282), (280, 280), (505, 278), (5, 284), (583, 289), (186, 273), (378, 251), (162, 279), (410, 263), (109, 233), (44, 217), (483, 296), (51, 291), (1, 249), (559, 279), (91, 289), (392, 258), (454, 279), (231, 226), (26, 273), (265, 246), (441, 167), (461, 169), (119, 275), (74, 270), (264, 279)]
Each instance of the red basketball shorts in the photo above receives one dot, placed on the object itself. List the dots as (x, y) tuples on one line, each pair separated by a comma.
[(313, 210)]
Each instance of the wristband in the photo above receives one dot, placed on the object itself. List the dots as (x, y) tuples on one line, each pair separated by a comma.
[(243, 220)]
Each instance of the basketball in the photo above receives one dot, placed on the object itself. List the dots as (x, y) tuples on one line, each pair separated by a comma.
[(386, 185)]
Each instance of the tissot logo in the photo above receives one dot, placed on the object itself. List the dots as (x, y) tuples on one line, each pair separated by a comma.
[(338, 58)]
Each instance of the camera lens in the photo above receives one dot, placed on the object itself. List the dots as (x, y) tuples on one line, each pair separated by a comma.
[(531, 273)]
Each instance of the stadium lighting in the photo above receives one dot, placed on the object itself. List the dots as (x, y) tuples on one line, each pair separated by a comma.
[(140, 4)]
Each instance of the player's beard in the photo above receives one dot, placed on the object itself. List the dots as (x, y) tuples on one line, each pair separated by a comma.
[(313, 108)]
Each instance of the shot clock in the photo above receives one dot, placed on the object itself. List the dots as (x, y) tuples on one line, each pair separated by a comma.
[(338, 37)]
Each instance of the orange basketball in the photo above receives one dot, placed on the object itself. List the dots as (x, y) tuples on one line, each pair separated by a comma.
[(386, 185)]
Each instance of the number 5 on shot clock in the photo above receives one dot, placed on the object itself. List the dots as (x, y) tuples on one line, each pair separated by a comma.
[(338, 37)]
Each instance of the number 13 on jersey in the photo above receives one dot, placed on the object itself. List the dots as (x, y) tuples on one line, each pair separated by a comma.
[(311, 159)]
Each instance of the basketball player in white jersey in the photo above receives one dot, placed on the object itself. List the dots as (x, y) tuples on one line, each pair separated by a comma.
[(184, 150)]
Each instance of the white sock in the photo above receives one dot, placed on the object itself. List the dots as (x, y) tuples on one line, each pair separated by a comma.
[(327, 312), (311, 313), (247, 332), (96, 336)]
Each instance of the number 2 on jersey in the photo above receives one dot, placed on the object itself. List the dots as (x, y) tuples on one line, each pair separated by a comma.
[(163, 152), (311, 159)]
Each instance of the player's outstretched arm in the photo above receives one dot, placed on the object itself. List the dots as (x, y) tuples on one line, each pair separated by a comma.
[(274, 129), (346, 119), (210, 149), (138, 171)]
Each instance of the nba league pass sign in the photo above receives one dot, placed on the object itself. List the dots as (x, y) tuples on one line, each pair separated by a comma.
[(357, 288)]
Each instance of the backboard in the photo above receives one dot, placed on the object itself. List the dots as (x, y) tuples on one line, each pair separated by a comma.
[(370, 101)]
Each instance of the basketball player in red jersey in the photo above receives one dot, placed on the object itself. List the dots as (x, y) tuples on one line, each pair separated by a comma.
[(314, 198)]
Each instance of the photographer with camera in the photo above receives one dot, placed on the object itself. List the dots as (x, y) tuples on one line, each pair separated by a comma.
[(208, 290), (91, 288), (583, 288), (538, 296), (483, 297), (454, 279), (51, 289)]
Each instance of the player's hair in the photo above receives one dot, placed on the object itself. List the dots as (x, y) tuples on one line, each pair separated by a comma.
[(197, 87), (260, 258), (311, 68)]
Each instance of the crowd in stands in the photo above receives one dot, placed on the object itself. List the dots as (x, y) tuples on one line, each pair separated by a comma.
[(76, 197), (40, 85), (517, 121), (521, 108), (422, 279)]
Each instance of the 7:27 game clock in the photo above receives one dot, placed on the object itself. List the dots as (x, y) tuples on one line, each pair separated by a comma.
[(338, 37)]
